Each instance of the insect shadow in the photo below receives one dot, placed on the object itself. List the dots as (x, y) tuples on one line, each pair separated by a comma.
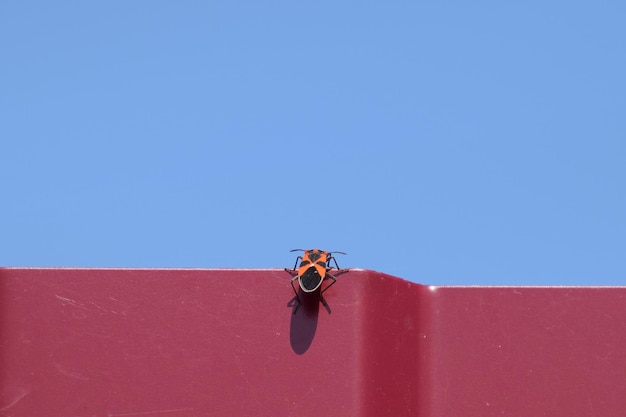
[(304, 324)]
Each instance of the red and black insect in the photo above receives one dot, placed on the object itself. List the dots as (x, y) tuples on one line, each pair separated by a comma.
[(313, 269)]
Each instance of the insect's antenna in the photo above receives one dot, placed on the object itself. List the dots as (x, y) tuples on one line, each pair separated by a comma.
[(336, 251), (298, 250)]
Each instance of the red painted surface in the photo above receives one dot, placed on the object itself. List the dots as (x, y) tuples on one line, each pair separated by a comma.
[(180, 343), (525, 352)]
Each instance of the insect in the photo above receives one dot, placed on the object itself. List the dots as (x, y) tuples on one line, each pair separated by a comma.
[(313, 269)]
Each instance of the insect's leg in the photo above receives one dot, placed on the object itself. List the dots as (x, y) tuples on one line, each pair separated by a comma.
[(322, 292), (323, 301), (331, 284), (336, 265), (296, 293), (332, 258), (299, 258)]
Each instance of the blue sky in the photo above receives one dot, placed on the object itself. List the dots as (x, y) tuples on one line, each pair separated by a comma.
[(442, 142)]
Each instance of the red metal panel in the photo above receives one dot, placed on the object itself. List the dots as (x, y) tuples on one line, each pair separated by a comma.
[(179, 343), (82, 342), (525, 352)]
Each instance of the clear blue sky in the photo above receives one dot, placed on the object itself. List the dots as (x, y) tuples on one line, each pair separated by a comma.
[(443, 142)]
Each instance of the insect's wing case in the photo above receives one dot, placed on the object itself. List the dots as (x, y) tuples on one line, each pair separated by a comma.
[(310, 280)]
